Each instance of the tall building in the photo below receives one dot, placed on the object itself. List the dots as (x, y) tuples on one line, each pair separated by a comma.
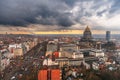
[(108, 35), (86, 41), (87, 34)]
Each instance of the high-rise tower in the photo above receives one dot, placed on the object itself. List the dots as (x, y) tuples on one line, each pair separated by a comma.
[(87, 35), (108, 35)]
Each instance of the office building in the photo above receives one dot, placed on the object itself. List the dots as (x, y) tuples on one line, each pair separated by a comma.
[(108, 35)]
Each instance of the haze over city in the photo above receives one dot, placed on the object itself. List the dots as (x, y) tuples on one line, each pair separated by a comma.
[(59, 16)]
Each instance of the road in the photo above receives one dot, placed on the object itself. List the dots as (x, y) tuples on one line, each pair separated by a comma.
[(26, 65)]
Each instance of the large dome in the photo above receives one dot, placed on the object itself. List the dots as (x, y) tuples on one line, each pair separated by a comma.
[(87, 33)]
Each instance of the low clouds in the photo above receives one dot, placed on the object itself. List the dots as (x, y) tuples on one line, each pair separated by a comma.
[(73, 14)]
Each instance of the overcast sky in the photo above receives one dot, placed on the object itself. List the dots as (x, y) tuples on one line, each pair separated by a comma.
[(59, 14)]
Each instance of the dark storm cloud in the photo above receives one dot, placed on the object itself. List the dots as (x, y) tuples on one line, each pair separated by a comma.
[(70, 2), (52, 12), (24, 12), (16, 13)]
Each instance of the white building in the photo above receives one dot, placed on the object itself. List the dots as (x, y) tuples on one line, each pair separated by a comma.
[(49, 62), (97, 53), (118, 52), (95, 66), (5, 56), (17, 49), (77, 55), (67, 47), (15, 46), (67, 54), (71, 54)]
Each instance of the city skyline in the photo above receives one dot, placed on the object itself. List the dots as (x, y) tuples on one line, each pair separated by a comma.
[(64, 17)]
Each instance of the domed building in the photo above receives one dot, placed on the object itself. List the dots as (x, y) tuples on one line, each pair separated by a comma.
[(87, 33), (86, 41)]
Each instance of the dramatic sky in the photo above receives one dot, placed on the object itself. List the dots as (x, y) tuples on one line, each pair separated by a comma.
[(34, 16)]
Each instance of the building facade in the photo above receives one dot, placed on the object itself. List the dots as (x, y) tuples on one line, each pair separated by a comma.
[(87, 34), (108, 35)]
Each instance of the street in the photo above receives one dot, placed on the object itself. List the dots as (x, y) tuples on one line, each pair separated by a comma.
[(25, 67)]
